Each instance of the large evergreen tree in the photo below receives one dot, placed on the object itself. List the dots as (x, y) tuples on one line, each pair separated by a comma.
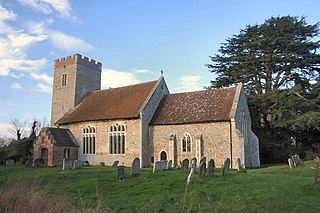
[(279, 64), (269, 56)]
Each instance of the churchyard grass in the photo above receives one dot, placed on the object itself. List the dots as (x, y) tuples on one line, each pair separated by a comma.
[(270, 189)]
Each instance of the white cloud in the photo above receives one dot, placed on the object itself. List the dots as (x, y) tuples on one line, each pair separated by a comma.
[(16, 86), (189, 83), (142, 71), (6, 15), (5, 130), (61, 8), (44, 88), (21, 64), (24, 40), (43, 77), (112, 78), (69, 43)]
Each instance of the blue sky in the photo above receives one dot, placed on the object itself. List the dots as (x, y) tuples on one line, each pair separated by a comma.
[(133, 40)]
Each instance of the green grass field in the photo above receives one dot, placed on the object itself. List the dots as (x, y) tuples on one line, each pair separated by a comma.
[(269, 189)]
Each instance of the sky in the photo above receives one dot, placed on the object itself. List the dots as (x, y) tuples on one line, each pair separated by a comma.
[(133, 39)]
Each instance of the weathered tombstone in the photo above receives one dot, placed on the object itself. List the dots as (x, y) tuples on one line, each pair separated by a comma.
[(40, 162), (290, 163), (298, 159), (203, 159), (120, 170), (203, 169), (77, 164), (169, 164), (29, 162), (226, 167), (185, 166), (164, 165), (190, 178), (135, 167), (86, 163), (9, 162), (317, 174), (66, 164), (194, 163), (157, 166), (211, 168), (115, 164), (239, 167)]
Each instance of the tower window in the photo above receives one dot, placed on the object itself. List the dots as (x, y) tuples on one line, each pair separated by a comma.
[(64, 80)]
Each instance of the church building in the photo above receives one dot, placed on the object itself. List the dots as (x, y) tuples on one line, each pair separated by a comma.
[(142, 120)]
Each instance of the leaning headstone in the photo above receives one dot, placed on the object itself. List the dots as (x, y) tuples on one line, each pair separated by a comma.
[(185, 166), (226, 167), (164, 165), (169, 164), (135, 168), (190, 178), (317, 172), (9, 162), (203, 169), (239, 167), (290, 163), (211, 168), (67, 164), (29, 162), (115, 164), (120, 170), (77, 164), (157, 166), (194, 163)]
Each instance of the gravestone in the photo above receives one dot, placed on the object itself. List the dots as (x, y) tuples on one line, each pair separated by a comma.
[(211, 168), (77, 164), (190, 178), (120, 171), (226, 167), (291, 165), (66, 164), (169, 164), (29, 162), (203, 169), (164, 165), (317, 172), (239, 167), (194, 163), (135, 167), (9, 162), (203, 159), (40, 162), (298, 159), (86, 163), (115, 164), (157, 166), (185, 166)]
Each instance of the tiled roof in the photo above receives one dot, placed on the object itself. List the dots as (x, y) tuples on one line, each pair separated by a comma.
[(117, 103), (62, 137), (195, 107)]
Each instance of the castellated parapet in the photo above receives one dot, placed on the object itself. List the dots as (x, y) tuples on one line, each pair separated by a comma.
[(77, 58)]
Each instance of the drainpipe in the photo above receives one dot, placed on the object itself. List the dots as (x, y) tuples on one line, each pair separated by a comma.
[(230, 143)]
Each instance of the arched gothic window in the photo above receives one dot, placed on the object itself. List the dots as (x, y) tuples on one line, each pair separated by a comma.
[(117, 139), (186, 143), (89, 140)]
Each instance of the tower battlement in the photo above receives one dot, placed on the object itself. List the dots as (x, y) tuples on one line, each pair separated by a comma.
[(77, 59)]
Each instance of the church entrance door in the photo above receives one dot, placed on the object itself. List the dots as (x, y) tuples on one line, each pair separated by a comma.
[(44, 155)]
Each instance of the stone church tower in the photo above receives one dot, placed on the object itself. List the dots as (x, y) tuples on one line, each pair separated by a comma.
[(74, 78)]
